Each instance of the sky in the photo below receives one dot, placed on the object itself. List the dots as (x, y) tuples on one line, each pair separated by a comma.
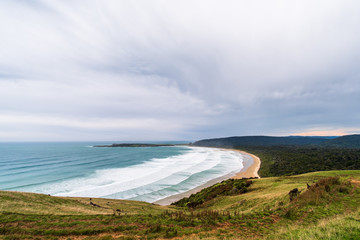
[(117, 70)]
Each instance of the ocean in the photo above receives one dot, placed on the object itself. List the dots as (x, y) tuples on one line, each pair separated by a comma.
[(137, 173)]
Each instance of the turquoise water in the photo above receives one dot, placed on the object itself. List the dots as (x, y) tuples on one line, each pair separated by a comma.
[(78, 169)]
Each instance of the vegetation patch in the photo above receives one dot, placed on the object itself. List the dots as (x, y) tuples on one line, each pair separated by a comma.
[(224, 188), (325, 198)]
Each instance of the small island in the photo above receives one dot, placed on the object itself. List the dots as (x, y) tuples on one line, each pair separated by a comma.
[(136, 145)]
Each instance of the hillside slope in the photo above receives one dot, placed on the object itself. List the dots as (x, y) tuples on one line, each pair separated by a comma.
[(329, 208), (41, 204), (348, 141)]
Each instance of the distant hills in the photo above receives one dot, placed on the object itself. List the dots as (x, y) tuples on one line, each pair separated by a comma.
[(347, 141)]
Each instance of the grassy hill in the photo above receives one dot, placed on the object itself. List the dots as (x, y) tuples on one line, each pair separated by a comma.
[(328, 209)]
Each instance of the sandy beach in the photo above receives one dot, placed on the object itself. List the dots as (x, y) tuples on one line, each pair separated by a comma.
[(251, 167), (252, 170)]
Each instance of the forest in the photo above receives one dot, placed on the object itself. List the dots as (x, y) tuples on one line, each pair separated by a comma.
[(283, 156), (292, 160)]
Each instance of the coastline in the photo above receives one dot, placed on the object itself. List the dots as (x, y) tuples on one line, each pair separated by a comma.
[(250, 171), (251, 167)]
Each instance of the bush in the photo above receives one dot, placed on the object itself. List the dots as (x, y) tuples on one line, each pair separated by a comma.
[(225, 188)]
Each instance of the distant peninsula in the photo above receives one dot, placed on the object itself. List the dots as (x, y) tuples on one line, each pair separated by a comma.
[(136, 145)]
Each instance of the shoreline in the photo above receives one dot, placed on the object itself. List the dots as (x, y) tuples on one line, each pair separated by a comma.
[(250, 170)]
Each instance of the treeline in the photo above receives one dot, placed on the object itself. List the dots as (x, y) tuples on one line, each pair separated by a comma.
[(292, 160), (347, 141)]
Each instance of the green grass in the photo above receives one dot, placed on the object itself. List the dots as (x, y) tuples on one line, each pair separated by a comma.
[(30, 203), (328, 210), (345, 226)]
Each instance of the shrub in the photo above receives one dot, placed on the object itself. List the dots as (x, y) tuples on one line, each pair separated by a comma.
[(225, 188)]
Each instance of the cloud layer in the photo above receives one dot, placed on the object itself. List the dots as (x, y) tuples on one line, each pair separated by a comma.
[(156, 70)]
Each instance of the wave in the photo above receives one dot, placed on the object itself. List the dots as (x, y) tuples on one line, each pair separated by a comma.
[(152, 180)]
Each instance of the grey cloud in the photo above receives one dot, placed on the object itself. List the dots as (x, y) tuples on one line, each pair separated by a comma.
[(203, 68)]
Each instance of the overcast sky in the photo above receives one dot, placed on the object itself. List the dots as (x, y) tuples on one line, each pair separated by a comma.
[(178, 70)]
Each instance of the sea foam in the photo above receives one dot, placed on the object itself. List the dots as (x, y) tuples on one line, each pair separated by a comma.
[(155, 179), (146, 174)]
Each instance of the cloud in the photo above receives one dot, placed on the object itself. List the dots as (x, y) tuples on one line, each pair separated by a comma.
[(192, 68)]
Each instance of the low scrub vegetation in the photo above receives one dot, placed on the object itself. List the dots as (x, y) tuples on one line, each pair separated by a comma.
[(225, 188), (323, 198)]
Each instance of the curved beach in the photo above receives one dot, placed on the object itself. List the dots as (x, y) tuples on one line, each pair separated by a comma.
[(252, 170), (251, 167)]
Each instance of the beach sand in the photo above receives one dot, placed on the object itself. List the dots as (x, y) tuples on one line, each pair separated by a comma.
[(251, 167), (251, 170)]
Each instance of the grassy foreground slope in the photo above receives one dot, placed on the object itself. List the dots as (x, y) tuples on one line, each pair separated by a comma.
[(328, 210), (41, 204)]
